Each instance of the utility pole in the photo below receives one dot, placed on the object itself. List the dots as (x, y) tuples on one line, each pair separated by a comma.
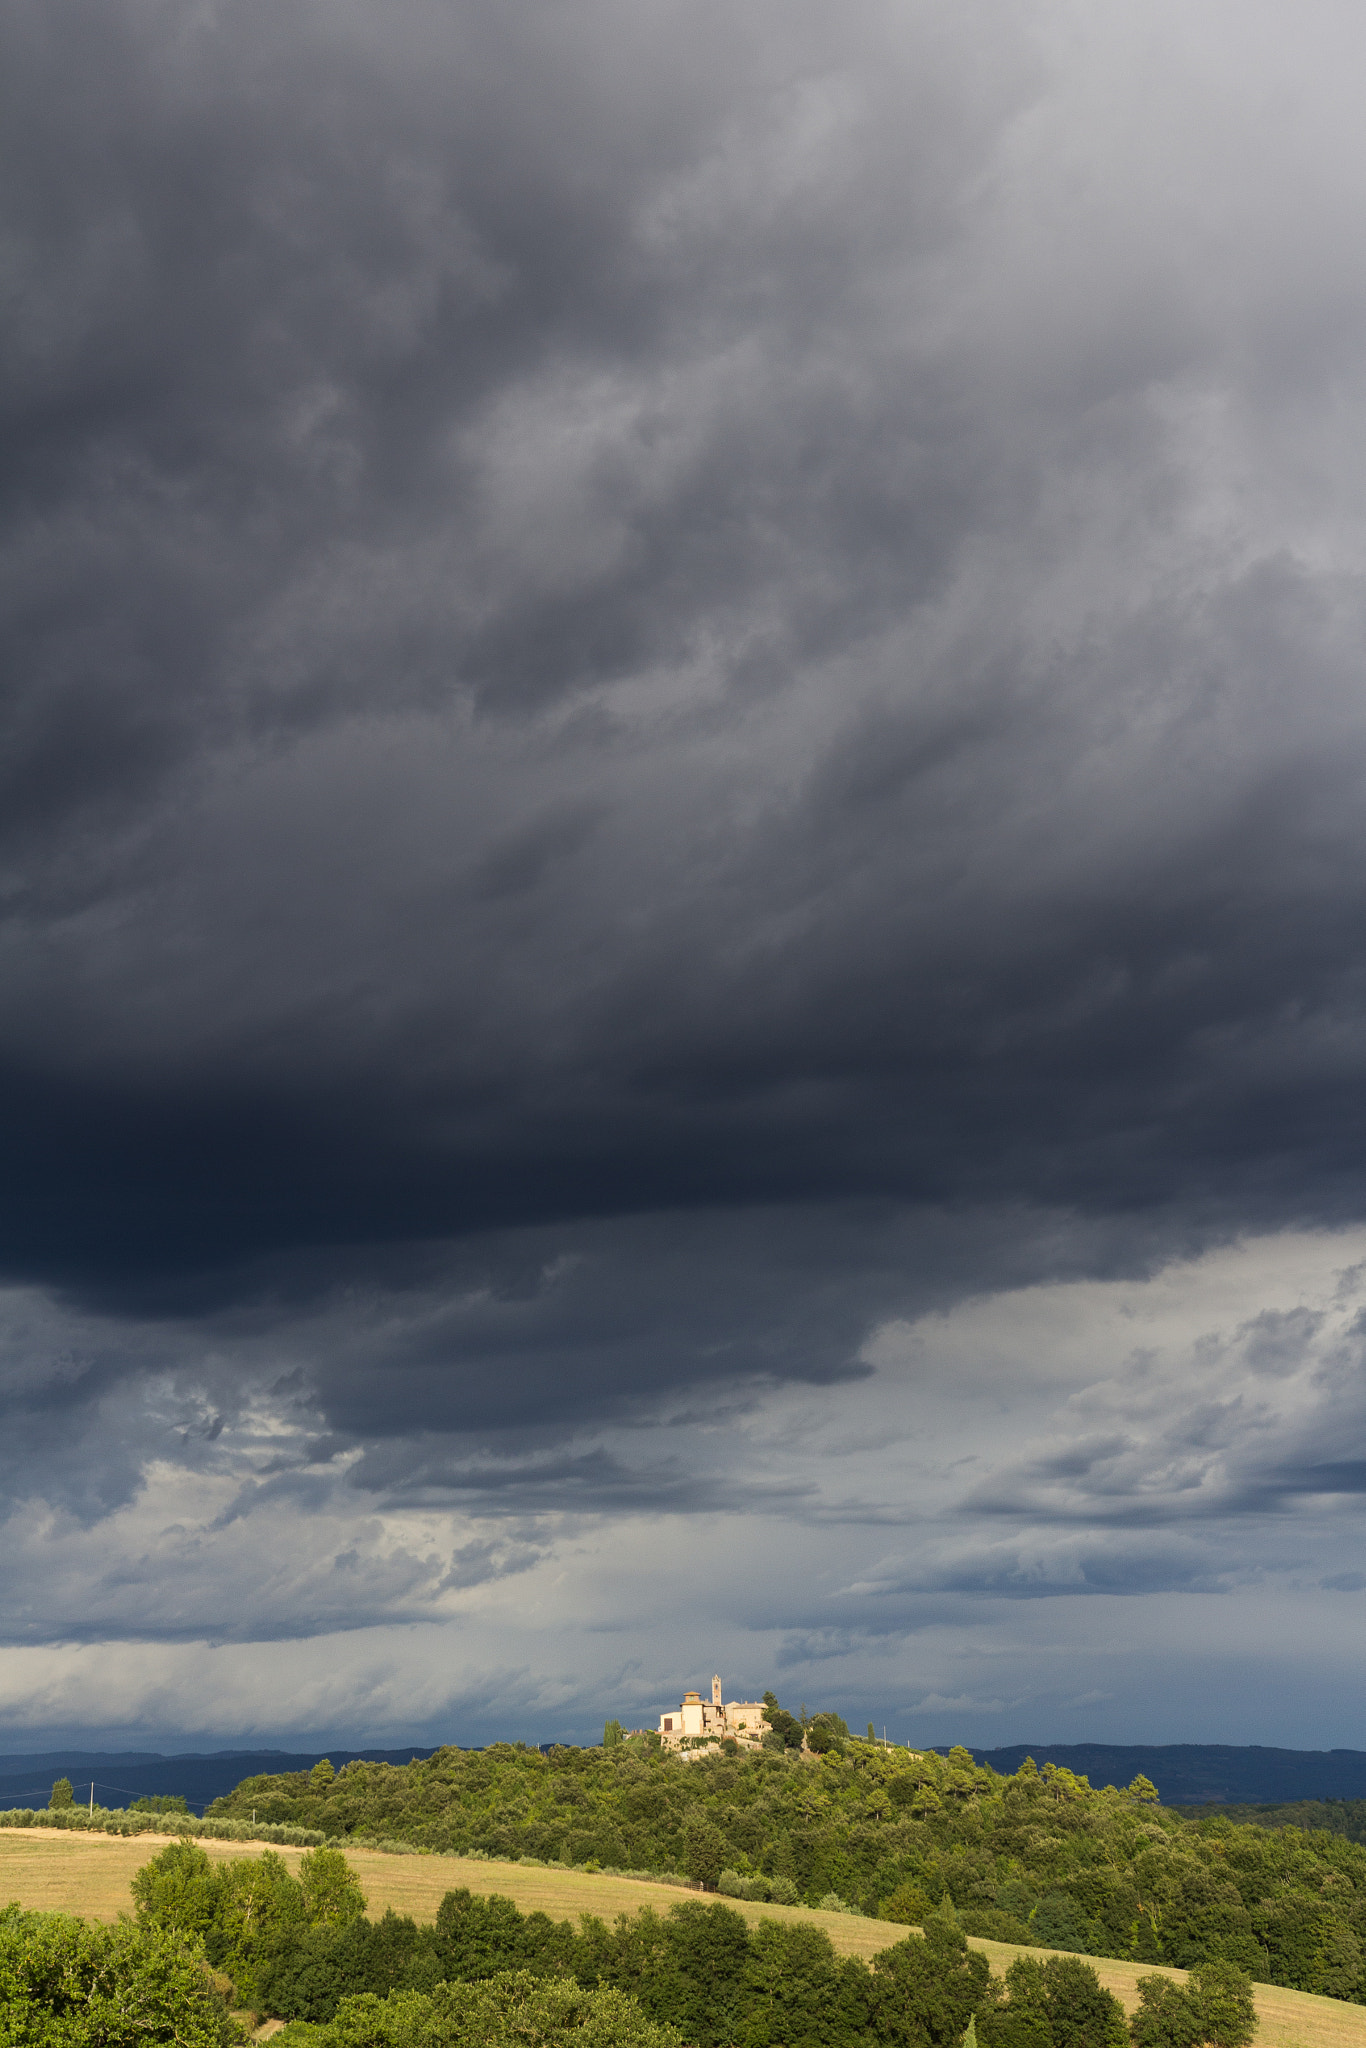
[(92, 1799)]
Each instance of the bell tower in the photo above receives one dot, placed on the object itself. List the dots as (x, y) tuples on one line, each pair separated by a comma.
[(716, 1691)]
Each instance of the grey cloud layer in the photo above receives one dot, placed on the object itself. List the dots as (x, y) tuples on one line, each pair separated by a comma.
[(1126, 1437)]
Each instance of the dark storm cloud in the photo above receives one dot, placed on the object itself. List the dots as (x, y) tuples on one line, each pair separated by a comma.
[(460, 1370), (631, 681)]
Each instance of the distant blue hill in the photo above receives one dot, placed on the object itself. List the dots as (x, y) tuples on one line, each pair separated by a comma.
[(121, 1776), (1199, 1773)]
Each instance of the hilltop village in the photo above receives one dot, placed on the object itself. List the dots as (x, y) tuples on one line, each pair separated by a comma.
[(699, 1727), (704, 1724)]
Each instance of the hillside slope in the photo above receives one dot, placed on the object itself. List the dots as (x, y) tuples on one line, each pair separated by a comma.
[(90, 1876)]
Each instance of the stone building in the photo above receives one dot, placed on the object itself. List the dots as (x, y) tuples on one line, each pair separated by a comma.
[(711, 1720)]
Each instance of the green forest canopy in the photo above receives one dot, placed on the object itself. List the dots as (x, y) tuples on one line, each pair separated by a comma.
[(1041, 1857)]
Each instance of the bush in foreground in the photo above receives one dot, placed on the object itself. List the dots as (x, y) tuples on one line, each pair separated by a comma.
[(64, 1984), (247, 1911), (513, 2010), (1057, 2003), (1214, 2007), (927, 1991)]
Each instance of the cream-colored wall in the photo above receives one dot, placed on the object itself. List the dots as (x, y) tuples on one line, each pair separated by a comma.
[(696, 1717), (745, 1719)]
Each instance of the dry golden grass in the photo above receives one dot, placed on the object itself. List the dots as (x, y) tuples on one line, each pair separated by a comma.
[(91, 1875)]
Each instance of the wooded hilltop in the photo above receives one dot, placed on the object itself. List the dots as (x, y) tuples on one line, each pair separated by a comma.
[(1040, 1857)]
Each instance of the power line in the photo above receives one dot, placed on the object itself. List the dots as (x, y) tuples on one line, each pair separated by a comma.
[(101, 1785)]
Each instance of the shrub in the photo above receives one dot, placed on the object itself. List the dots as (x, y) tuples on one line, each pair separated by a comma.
[(481, 1937), (786, 1727), (989, 1923), (331, 1889), (1058, 1923), (1166, 2017), (1215, 2006), (247, 1912), (64, 1984), (796, 1994), (1223, 1994), (513, 2008), (704, 1852), (927, 1988), (1057, 2003), (310, 1970), (177, 1891), (827, 1733), (907, 1905)]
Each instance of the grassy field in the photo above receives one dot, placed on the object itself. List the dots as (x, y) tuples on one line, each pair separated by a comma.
[(90, 1875)]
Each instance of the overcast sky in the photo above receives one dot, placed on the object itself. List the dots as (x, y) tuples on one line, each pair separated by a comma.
[(682, 867)]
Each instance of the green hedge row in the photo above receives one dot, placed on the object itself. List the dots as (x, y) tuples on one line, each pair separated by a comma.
[(106, 1820)]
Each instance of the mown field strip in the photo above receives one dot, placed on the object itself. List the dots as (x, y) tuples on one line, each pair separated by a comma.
[(91, 1875)]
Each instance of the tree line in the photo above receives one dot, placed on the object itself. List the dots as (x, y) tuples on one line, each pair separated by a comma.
[(304, 1950), (698, 1977)]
